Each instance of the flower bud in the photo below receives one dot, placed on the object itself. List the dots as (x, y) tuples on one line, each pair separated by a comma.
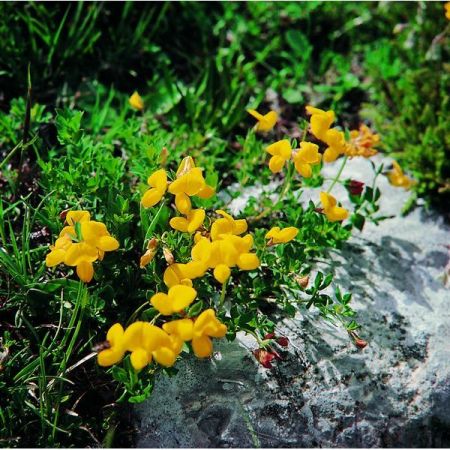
[(355, 187), (269, 336), (163, 156), (283, 341), (302, 281), (361, 343), (264, 357), (168, 256)]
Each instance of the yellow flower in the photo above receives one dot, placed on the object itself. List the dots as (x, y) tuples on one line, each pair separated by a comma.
[(190, 183), (183, 328), (178, 298), (116, 350), (226, 252), (58, 251), (77, 216), (199, 331), (178, 273), (281, 152), (335, 139), (362, 142), (333, 212), (186, 165), (265, 122), (136, 101), (206, 326), (447, 10), (320, 121), (192, 222), (307, 156), (158, 186), (92, 241), (227, 225), (146, 341), (281, 236), (397, 178)]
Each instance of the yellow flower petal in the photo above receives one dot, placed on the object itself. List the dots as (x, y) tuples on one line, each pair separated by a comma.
[(85, 271), (161, 302), (110, 356), (219, 227), (77, 216), (55, 257), (181, 297), (107, 244), (158, 180), (165, 356), (179, 224), (272, 232), (151, 197), (308, 153), (80, 252), (248, 261), (206, 192), (304, 170), (183, 203), (327, 200), (222, 273), (331, 154), (265, 122), (336, 214), (195, 219), (190, 183), (183, 328), (202, 346), (276, 164), (140, 358), (280, 148)]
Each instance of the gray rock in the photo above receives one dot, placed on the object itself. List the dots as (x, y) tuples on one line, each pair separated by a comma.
[(325, 392)]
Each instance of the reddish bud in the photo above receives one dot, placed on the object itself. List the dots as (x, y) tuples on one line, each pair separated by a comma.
[(361, 343), (269, 336), (63, 214), (283, 341), (264, 357), (355, 187)]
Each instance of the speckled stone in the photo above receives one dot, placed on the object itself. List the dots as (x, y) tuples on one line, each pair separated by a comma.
[(325, 392)]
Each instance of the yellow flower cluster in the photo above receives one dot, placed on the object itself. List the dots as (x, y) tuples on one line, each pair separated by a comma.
[(225, 248), (80, 243), (361, 143), (147, 342), (189, 182)]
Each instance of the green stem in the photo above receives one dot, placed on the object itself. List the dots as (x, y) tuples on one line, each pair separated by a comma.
[(222, 294), (136, 312), (338, 175)]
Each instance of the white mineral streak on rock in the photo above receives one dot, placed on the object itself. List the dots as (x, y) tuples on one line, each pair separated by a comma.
[(326, 392)]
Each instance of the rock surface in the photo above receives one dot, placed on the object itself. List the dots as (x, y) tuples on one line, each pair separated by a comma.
[(326, 392)]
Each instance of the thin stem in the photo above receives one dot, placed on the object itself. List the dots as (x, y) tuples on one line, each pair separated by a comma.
[(222, 294), (338, 175), (136, 312)]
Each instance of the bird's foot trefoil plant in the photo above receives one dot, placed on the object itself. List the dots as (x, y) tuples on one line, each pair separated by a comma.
[(214, 274)]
